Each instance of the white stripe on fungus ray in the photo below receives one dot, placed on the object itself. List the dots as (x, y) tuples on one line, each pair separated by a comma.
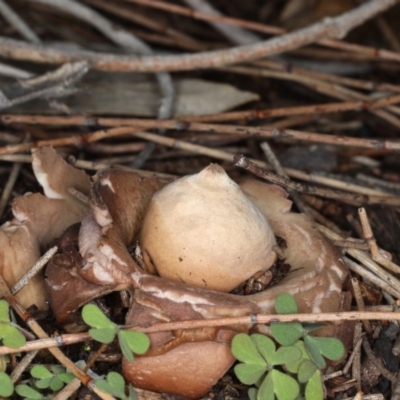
[(43, 178), (107, 182), (338, 271), (178, 297)]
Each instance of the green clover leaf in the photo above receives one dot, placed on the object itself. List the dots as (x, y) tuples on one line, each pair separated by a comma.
[(133, 342), (114, 384), (6, 385)]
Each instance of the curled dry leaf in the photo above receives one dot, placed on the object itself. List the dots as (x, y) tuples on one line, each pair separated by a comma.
[(97, 261), (40, 219)]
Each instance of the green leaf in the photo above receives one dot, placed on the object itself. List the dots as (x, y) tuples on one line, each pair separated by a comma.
[(331, 348), (124, 345), (266, 390), (286, 354), (4, 359), (311, 327), (103, 335), (286, 304), (287, 333), (285, 387), (244, 349), (314, 389), (249, 374), (116, 380), (132, 393), (114, 385), (94, 317), (264, 345), (314, 352), (66, 377), (41, 372), (306, 371), (252, 392), (293, 367), (44, 383), (133, 341), (27, 392), (11, 336), (56, 384), (6, 385), (57, 369), (4, 313)]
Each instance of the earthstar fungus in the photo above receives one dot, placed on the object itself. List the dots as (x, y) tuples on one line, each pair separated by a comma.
[(94, 259)]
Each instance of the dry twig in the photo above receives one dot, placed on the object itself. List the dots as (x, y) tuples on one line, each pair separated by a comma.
[(336, 27)]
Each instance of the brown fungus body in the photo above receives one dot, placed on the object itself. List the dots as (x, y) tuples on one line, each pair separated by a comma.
[(202, 230), (103, 263), (39, 219)]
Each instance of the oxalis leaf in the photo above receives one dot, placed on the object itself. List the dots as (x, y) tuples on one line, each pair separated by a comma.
[(314, 389), (103, 335), (133, 342), (4, 313), (285, 355), (314, 352), (265, 346), (249, 374), (306, 371), (132, 393), (293, 367), (286, 333), (114, 385), (28, 393), (285, 304), (94, 317), (330, 348), (252, 392), (6, 385), (284, 387), (244, 350), (41, 372), (11, 336)]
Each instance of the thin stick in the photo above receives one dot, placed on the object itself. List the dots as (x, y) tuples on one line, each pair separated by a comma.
[(356, 349), (360, 303), (243, 131), (235, 34), (55, 341), (297, 110), (336, 27), (351, 244), (250, 320), (369, 237), (18, 23), (378, 281), (57, 82), (37, 267), (331, 90), (370, 52), (22, 365), (140, 18), (365, 259), (67, 392), (245, 163), (12, 178)]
